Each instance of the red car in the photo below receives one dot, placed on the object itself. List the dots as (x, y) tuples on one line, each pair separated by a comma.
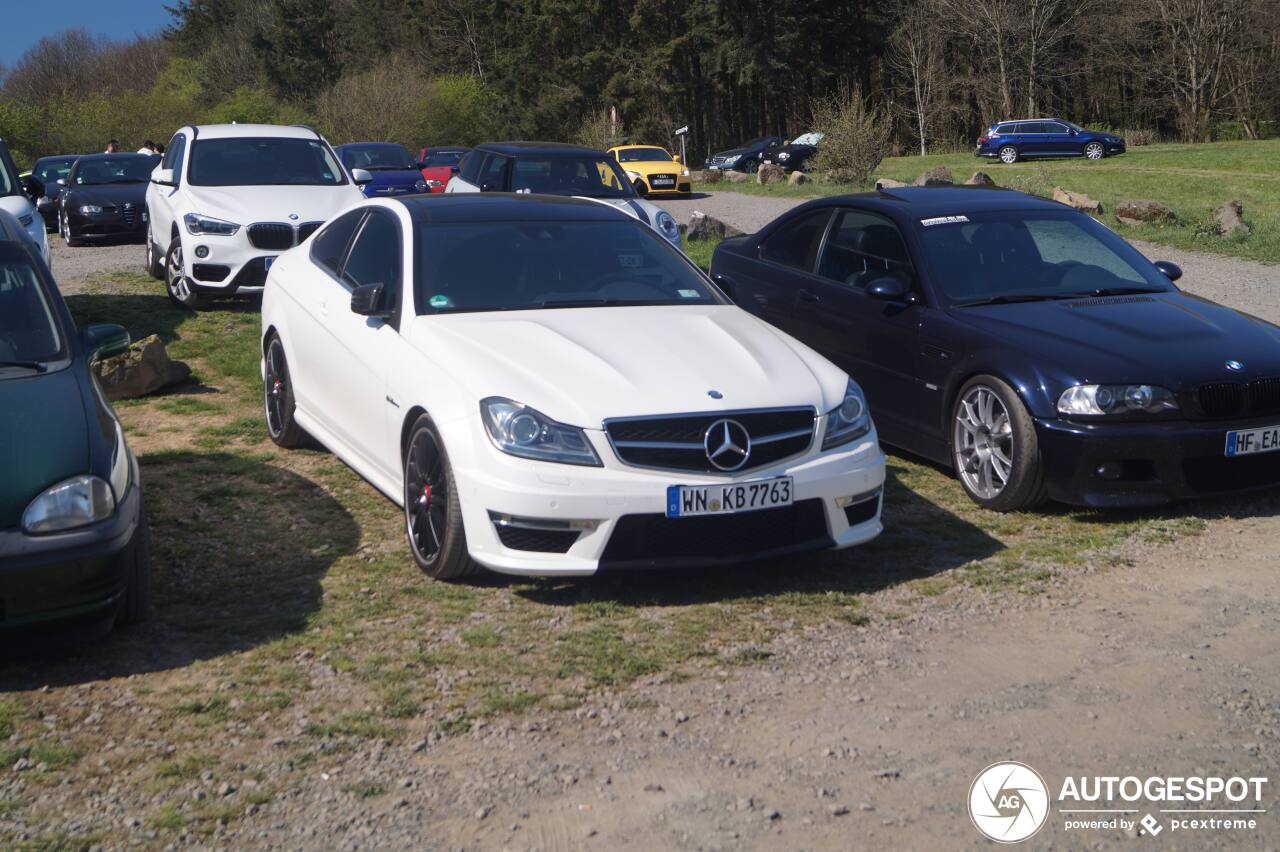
[(440, 164)]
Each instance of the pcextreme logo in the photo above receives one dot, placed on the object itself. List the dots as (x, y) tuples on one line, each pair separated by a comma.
[(1009, 802)]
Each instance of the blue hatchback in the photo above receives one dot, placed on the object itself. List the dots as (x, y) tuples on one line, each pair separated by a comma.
[(393, 168), (1010, 141)]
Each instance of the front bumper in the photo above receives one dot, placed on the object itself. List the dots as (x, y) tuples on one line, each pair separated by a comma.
[(625, 507), (75, 577), (233, 264), (117, 224), (1158, 463)]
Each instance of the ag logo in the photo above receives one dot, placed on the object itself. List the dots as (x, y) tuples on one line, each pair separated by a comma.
[(1008, 802)]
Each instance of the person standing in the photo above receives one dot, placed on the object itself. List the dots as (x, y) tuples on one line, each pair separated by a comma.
[(113, 147), (148, 147)]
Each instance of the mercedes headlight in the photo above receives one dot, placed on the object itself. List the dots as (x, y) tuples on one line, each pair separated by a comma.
[(1098, 400), (729, 161), (848, 422), (667, 225), (198, 225), (783, 155), (74, 502), (521, 431), (90, 209)]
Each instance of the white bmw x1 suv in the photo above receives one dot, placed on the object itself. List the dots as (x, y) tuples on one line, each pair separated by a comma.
[(227, 199), (548, 387)]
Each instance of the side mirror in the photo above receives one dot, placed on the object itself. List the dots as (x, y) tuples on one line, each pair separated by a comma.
[(105, 340), (361, 176), (366, 301), (1169, 269), (676, 158), (890, 289), (33, 187), (164, 177), (420, 165)]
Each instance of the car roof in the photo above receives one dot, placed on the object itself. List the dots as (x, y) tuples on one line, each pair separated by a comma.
[(122, 155), (552, 148), (345, 145), (237, 131), (922, 202), (508, 207), (60, 157), (624, 147), (447, 149)]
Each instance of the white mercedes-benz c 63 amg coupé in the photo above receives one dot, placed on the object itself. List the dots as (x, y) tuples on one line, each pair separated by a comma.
[(550, 388)]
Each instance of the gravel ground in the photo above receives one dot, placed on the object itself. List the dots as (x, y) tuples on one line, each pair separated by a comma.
[(1244, 284), (73, 268)]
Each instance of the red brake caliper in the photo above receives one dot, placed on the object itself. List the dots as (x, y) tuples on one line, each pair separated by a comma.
[(426, 496)]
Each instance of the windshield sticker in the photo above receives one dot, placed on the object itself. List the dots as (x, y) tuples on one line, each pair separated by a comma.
[(689, 294), (440, 301), (944, 220), (631, 261)]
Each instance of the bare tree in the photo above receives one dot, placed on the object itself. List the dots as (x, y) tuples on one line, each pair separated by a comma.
[(991, 27), (1047, 25), (1197, 37), (915, 55)]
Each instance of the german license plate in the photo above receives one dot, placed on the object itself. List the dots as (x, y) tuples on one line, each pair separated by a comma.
[(684, 501), (664, 181), (1248, 442), (267, 261)]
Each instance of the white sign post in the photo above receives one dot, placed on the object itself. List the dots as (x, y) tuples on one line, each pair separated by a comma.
[(684, 157)]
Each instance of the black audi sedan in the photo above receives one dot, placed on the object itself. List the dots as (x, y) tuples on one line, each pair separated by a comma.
[(1022, 343), (105, 195), (74, 543)]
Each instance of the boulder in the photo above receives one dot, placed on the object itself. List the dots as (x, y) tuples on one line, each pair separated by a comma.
[(736, 177), (797, 178), (936, 176), (1230, 219), (1078, 200), (1139, 212), (704, 227), (770, 173), (980, 179), (144, 369), (888, 183), (707, 176)]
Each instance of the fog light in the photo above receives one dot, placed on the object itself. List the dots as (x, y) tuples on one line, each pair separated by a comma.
[(202, 252), (1110, 470)]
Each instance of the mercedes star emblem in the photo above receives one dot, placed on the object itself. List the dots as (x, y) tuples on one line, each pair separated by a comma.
[(728, 444)]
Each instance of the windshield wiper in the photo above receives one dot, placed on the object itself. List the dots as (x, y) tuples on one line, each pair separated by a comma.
[(584, 303), (1114, 291), (38, 366), (1017, 297)]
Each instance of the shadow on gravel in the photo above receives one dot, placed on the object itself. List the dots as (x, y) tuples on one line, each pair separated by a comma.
[(920, 539), (227, 575)]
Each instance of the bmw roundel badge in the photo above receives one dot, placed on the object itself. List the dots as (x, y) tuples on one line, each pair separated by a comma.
[(1235, 366)]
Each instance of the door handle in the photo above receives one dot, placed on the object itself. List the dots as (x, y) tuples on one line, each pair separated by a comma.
[(808, 296)]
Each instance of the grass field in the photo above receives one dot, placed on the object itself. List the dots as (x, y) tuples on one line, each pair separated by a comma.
[(1192, 179), (285, 590)]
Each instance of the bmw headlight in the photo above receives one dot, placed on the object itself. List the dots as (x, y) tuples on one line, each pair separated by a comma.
[(90, 209), (729, 161), (74, 502), (848, 422), (667, 225), (521, 431), (1099, 400), (198, 225)]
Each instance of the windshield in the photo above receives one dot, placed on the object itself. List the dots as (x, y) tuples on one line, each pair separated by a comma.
[(807, 139), (269, 161), (504, 266), (438, 159), (763, 140), (128, 169), (644, 155), (375, 158), (1019, 254), (593, 177), (29, 333), (50, 171)]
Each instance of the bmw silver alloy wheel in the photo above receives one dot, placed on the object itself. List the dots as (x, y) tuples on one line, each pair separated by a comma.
[(175, 275), (983, 442), (1094, 151)]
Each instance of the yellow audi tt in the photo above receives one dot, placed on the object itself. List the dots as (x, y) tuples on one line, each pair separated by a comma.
[(653, 170)]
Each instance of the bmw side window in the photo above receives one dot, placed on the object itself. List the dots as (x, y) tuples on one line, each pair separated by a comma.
[(470, 167), (795, 244), (863, 247), (375, 256), (173, 156), (330, 245)]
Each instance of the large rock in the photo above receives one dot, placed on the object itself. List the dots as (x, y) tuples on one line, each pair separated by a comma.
[(144, 369), (708, 176), (936, 176), (1140, 212), (797, 178), (1078, 200), (770, 173), (704, 227), (888, 183), (736, 177), (1230, 219), (980, 179)]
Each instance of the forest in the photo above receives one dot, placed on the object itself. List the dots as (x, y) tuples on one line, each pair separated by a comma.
[(426, 72)]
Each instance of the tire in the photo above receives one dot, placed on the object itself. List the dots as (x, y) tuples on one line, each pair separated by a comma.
[(994, 447), (1094, 151), (135, 606), (154, 264), (181, 291), (277, 398), (64, 228), (1008, 155), (750, 165), (433, 520)]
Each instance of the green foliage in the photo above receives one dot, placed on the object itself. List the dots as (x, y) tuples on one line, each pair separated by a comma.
[(855, 136), (459, 109), (599, 131), (21, 128), (254, 106)]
